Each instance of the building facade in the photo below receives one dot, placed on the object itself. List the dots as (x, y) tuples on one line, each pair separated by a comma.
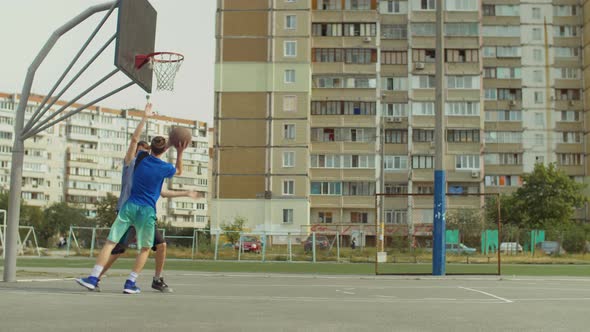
[(321, 104), (80, 160)]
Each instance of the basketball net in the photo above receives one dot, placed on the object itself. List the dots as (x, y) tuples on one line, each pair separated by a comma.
[(165, 66)]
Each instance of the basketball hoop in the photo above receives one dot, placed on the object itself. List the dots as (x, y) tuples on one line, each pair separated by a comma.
[(164, 64)]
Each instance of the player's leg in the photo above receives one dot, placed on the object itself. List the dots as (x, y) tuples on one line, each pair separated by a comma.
[(144, 223), (117, 231), (160, 248), (119, 249)]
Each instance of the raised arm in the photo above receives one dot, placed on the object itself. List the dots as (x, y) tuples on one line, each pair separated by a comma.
[(182, 193), (132, 149), (179, 150)]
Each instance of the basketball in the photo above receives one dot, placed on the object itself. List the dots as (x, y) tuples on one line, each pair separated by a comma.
[(179, 134)]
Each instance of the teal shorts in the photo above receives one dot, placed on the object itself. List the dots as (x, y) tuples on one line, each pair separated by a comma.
[(143, 218)]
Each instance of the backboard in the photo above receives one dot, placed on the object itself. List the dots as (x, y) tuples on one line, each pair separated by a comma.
[(136, 34)]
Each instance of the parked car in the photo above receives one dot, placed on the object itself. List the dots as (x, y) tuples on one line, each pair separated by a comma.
[(550, 247), (321, 242), (250, 244), (510, 247), (459, 249)]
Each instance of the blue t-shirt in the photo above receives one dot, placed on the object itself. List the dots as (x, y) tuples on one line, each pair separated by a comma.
[(148, 178)]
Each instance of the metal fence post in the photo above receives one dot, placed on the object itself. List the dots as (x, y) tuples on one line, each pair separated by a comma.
[(240, 247), (194, 242), (338, 247), (216, 244), (264, 244), (93, 239), (289, 247), (69, 241), (313, 246)]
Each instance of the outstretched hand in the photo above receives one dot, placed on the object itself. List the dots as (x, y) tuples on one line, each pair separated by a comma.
[(148, 110), (196, 194), (181, 146)]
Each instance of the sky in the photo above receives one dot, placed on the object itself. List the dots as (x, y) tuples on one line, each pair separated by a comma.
[(184, 26)]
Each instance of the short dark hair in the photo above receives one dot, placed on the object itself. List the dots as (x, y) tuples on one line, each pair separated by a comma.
[(158, 145), (143, 144)]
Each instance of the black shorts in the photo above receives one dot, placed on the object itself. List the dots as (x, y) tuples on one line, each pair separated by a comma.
[(129, 237)]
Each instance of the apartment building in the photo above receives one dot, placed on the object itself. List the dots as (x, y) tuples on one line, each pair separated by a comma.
[(320, 104), (80, 160)]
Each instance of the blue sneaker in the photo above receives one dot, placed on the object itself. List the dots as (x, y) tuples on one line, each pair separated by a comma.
[(91, 282), (130, 287)]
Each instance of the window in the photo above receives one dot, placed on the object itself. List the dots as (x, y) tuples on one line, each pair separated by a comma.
[(461, 56), (539, 120), (289, 76), (5, 135), (394, 31), (567, 94), (462, 29), (423, 82), (508, 72), (395, 110), (423, 29), (396, 188), (539, 97), (567, 73), (290, 48), (289, 131), (289, 103), (396, 217), (503, 159), (538, 76), (509, 94), (289, 159), (394, 57), (395, 163), (422, 188), (396, 136), (503, 115), (359, 217), (567, 52), (501, 31), (360, 29), (570, 10), (538, 55), (424, 4), (508, 52), (423, 55), (358, 188), (423, 135), (467, 162), (463, 82), (288, 187), (537, 35), (539, 139), (502, 180), (326, 29), (571, 137), (287, 216), (489, 52), (358, 161), (565, 31), (290, 22), (570, 116), (329, 4), (325, 217), (461, 5), (503, 137), (423, 108), (325, 161), (463, 135), (462, 108), (326, 188), (570, 159), (395, 83), (359, 55), (394, 6), (422, 162), (536, 13), (358, 4)]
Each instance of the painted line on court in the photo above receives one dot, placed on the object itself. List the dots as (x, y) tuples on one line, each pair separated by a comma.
[(344, 292), (45, 280), (486, 293)]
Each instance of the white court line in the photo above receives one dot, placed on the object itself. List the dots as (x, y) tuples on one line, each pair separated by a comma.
[(44, 280), (488, 294)]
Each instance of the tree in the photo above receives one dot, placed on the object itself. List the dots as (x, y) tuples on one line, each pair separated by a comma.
[(232, 231), (57, 218), (469, 222), (106, 210), (547, 198)]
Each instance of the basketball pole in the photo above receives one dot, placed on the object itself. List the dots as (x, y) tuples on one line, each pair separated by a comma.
[(438, 234), (14, 199)]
